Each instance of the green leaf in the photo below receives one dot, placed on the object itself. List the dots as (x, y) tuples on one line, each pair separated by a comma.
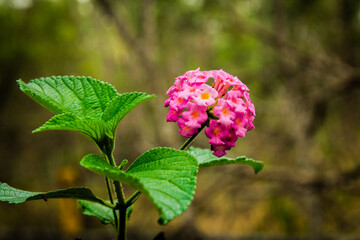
[(129, 212), (82, 104), (122, 105), (205, 158), (13, 195), (167, 176), (82, 96), (93, 129), (104, 214)]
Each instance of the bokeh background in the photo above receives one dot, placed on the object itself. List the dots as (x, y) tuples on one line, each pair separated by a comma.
[(299, 58)]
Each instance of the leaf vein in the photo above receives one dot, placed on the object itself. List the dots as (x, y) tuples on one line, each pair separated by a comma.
[(56, 90), (172, 158), (170, 196), (171, 184), (76, 94)]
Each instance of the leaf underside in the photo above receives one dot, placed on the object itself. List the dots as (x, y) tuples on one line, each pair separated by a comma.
[(205, 158), (82, 104), (103, 213), (167, 176), (16, 196)]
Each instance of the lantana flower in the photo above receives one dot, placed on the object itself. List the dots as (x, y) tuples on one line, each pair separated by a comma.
[(214, 100)]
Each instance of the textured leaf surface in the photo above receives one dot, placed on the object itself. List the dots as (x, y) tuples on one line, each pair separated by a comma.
[(167, 176), (82, 96), (104, 214), (122, 105), (205, 158), (82, 104), (13, 195), (94, 129)]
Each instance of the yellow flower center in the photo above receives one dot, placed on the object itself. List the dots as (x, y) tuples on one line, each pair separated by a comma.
[(205, 96)]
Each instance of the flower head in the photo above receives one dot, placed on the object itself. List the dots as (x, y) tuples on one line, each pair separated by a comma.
[(214, 99)]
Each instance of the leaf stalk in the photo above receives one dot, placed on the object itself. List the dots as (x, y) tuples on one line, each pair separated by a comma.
[(133, 198), (189, 141)]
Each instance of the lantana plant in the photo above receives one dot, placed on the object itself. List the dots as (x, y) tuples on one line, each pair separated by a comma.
[(213, 100)]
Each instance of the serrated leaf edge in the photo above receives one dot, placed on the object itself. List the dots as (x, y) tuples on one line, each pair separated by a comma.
[(110, 129)]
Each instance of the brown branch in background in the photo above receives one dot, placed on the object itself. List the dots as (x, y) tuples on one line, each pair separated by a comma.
[(344, 76), (122, 28), (273, 39), (148, 28), (319, 108), (144, 49)]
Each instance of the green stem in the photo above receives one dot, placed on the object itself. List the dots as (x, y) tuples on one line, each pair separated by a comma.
[(118, 188), (121, 203), (106, 204), (111, 201), (193, 137), (107, 146), (122, 210), (133, 198)]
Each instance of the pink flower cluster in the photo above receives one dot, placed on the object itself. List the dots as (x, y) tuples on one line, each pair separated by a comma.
[(214, 99)]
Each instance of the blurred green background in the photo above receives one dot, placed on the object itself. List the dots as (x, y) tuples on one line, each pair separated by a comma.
[(300, 59)]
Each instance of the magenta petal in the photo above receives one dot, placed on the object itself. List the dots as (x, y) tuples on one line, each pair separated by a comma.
[(192, 97)]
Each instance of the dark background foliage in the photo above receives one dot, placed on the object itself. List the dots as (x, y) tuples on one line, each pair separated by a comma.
[(299, 58)]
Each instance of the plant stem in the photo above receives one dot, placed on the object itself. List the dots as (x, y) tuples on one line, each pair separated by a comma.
[(111, 201), (193, 137), (122, 210), (106, 204), (133, 198), (107, 147), (122, 222), (121, 203)]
